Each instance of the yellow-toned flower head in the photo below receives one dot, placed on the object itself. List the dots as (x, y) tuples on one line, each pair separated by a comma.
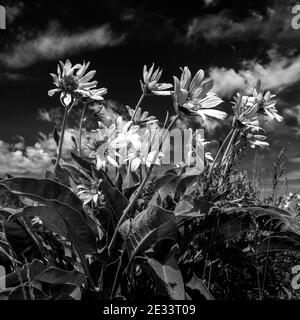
[(193, 96), (74, 83)]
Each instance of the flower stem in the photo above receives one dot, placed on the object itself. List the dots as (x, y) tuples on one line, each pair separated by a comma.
[(138, 105), (61, 140), (80, 128), (139, 190), (219, 153), (141, 172), (118, 272), (226, 153)]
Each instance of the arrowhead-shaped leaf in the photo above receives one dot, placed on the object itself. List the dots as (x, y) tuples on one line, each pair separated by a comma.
[(147, 228), (13, 279), (56, 276), (65, 221), (20, 240), (197, 284), (167, 277), (9, 199), (44, 191)]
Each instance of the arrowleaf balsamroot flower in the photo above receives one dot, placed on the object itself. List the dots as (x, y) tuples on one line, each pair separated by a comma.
[(101, 146), (89, 191), (139, 156), (140, 152), (245, 112), (265, 102), (198, 150), (150, 82), (109, 142), (257, 140), (141, 118), (248, 111), (95, 95), (193, 96), (72, 82)]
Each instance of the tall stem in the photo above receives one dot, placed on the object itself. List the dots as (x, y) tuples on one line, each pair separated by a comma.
[(235, 131), (138, 105), (219, 152), (61, 140), (227, 151), (139, 190), (80, 128)]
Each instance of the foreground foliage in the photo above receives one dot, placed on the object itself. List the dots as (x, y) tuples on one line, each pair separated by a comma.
[(109, 226)]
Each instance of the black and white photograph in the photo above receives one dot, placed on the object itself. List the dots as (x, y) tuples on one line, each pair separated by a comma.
[(150, 153)]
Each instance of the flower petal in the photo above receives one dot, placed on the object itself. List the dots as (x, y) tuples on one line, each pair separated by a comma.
[(135, 163), (185, 78), (53, 91), (212, 113), (197, 80)]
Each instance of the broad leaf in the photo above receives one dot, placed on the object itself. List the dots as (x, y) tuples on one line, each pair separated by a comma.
[(65, 292), (167, 277), (113, 195), (197, 284), (9, 199), (189, 208), (18, 293), (164, 180), (20, 239), (77, 175), (65, 221), (183, 183), (44, 191), (62, 175), (84, 164), (13, 279), (52, 220), (56, 276), (148, 228)]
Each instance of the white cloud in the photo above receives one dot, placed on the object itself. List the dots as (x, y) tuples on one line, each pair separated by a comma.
[(227, 81), (279, 73), (273, 26), (55, 43), (20, 160)]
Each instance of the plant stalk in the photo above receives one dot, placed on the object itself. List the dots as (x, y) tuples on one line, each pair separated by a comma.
[(80, 128), (138, 105), (227, 151), (61, 140), (139, 190), (235, 131), (219, 153)]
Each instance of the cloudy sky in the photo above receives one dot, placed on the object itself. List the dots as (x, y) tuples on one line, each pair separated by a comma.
[(235, 42)]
